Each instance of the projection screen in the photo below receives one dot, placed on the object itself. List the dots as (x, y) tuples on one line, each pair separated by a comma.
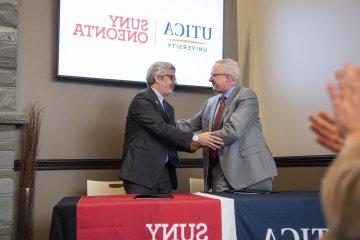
[(114, 40)]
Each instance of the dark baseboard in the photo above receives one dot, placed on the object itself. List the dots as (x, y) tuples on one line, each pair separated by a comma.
[(87, 164), (304, 161)]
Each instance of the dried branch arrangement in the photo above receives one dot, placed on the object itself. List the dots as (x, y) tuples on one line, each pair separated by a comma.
[(28, 151), (29, 146)]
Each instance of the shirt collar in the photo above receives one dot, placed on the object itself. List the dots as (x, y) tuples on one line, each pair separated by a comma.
[(160, 97), (228, 93)]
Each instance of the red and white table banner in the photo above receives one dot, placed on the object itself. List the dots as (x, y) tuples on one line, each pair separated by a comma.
[(183, 217), (227, 216)]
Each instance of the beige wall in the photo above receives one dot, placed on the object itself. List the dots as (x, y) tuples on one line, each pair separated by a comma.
[(294, 48)]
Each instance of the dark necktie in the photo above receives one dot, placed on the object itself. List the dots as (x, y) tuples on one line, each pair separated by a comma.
[(172, 154), (217, 121), (167, 111)]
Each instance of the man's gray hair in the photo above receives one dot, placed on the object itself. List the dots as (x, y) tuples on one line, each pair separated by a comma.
[(157, 69), (231, 67)]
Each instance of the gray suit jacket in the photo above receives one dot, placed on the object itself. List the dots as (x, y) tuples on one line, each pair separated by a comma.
[(245, 159)]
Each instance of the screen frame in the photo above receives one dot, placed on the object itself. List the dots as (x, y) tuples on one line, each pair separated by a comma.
[(125, 82)]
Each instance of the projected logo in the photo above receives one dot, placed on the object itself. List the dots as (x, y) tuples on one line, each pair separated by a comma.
[(173, 35), (120, 28), (187, 37)]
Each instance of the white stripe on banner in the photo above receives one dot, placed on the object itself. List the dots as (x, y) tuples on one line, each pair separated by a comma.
[(228, 227)]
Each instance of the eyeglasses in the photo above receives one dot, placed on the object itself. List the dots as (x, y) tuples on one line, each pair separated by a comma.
[(217, 74), (172, 77)]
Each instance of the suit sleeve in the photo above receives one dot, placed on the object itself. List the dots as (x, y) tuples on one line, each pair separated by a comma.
[(340, 194), (192, 124), (144, 113), (245, 114)]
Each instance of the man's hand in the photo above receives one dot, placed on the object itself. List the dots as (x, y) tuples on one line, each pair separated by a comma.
[(207, 139), (344, 125), (195, 146), (345, 97), (324, 125)]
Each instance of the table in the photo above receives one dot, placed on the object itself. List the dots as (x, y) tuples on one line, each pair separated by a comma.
[(181, 216), (63, 222), (282, 215)]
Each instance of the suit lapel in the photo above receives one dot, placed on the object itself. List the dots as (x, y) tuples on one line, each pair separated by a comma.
[(233, 95), (156, 100), (213, 105)]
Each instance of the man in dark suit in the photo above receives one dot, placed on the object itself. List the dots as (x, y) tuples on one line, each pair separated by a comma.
[(151, 137)]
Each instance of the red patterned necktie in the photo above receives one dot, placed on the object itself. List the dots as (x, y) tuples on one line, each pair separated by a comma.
[(217, 121)]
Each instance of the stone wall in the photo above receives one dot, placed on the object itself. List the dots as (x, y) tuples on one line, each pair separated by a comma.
[(9, 119)]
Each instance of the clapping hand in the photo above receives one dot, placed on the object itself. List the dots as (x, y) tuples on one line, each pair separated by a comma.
[(324, 125), (333, 129), (345, 97)]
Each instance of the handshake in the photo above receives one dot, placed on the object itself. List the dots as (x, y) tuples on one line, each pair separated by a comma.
[(206, 139)]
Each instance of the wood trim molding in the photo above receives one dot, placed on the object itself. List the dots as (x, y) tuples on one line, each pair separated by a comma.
[(304, 161), (87, 164)]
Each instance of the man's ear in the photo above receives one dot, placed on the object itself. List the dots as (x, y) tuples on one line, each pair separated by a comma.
[(157, 79), (230, 79)]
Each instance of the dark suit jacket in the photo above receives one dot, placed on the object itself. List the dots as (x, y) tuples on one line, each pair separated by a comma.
[(147, 140)]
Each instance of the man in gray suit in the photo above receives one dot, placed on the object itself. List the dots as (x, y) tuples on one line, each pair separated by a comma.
[(152, 139), (244, 161)]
